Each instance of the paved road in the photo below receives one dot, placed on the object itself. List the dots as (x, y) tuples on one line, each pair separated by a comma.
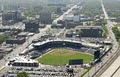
[(21, 26), (67, 12), (26, 44), (110, 26), (61, 34), (113, 50), (21, 48), (116, 63)]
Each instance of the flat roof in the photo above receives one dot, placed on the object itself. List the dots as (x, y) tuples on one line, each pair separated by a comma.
[(30, 34), (16, 38), (107, 41), (22, 33), (89, 27), (8, 49), (23, 59)]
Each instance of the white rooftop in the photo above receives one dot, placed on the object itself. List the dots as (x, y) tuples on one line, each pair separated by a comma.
[(23, 59)]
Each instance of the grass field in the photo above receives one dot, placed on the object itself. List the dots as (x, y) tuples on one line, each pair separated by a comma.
[(62, 57)]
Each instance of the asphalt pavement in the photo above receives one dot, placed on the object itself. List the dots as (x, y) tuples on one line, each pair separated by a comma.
[(67, 12), (29, 41), (20, 48), (113, 50)]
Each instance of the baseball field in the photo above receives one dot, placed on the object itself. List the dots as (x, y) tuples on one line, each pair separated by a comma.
[(62, 56)]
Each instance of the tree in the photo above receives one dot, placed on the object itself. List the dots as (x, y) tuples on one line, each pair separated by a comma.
[(116, 32), (1, 39), (22, 74), (105, 31), (48, 30)]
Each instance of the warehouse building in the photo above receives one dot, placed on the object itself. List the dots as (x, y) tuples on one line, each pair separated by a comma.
[(23, 62), (15, 40), (90, 31), (12, 17), (31, 26)]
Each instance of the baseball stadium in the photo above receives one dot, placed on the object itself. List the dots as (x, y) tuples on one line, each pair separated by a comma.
[(60, 52)]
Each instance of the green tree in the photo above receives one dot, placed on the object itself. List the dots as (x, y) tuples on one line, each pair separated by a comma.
[(48, 30), (1, 39), (105, 31), (28, 13), (22, 74), (116, 32)]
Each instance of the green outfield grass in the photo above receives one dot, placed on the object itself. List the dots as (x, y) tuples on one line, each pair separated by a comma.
[(62, 57)]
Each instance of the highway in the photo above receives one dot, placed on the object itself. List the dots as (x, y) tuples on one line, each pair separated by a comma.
[(97, 67)]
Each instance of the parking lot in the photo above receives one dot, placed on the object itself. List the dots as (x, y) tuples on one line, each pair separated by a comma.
[(45, 71)]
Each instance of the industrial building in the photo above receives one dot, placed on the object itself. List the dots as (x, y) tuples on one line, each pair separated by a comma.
[(23, 62), (90, 31), (15, 40), (23, 34), (76, 18), (31, 26), (72, 17), (69, 34), (45, 18), (59, 11), (68, 17), (12, 17)]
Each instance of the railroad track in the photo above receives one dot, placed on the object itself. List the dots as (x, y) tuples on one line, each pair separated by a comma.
[(107, 64), (112, 58)]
